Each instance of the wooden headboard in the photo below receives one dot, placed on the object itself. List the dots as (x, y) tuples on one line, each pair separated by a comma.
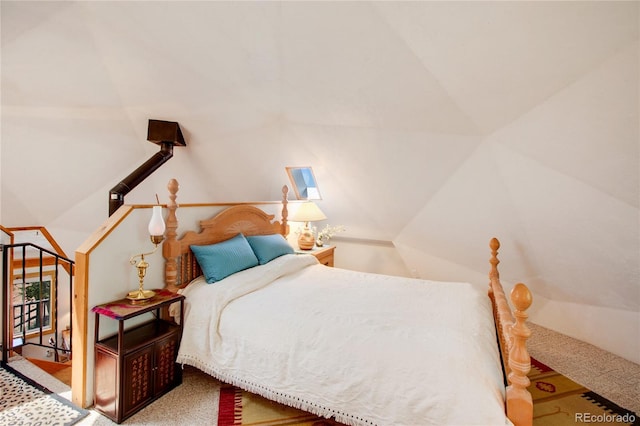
[(181, 266)]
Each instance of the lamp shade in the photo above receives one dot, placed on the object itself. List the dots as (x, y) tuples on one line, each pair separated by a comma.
[(156, 224), (308, 212)]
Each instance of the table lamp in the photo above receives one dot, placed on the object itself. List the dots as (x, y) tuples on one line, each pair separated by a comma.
[(307, 212)]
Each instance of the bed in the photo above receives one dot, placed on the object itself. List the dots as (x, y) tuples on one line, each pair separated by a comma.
[(363, 349)]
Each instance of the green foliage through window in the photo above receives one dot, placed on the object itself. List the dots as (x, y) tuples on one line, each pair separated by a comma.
[(32, 304)]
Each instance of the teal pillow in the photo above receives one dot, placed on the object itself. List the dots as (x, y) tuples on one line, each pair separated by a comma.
[(220, 260), (268, 247)]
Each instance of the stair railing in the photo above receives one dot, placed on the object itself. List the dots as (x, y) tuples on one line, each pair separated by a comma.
[(39, 311)]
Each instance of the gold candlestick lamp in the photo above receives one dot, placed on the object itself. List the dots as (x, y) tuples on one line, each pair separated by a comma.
[(156, 232)]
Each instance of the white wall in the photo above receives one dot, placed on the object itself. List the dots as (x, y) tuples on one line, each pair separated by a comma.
[(433, 125), (369, 256)]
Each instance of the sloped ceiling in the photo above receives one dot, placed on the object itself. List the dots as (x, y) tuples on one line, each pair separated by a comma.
[(435, 125)]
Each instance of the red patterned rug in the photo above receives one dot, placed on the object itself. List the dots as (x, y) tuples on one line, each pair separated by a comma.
[(238, 407), (557, 401)]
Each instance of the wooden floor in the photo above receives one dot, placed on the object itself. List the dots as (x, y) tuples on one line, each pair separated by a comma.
[(61, 371)]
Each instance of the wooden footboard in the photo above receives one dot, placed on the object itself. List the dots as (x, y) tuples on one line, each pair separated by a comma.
[(512, 337)]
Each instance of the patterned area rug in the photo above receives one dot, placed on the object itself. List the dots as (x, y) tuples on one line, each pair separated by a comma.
[(24, 402), (557, 401), (238, 407)]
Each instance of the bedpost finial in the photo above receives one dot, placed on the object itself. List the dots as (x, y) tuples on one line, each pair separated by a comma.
[(494, 244), (285, 212), (285, 200), (173, 186), (521, 297)]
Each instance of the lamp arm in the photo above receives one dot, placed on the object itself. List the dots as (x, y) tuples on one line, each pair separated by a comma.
[(132, 260)]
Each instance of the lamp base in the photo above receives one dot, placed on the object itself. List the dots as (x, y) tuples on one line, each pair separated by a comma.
[(306, 240), (140, 296)]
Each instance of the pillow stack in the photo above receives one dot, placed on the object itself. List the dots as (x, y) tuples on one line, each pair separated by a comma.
[(236, 254)]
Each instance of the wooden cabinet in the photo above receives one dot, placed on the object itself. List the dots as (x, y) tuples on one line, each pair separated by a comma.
[(323, 254), (137, 365)]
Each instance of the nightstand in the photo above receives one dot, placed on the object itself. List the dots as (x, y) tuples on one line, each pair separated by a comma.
[(137, 365), (324, 254)]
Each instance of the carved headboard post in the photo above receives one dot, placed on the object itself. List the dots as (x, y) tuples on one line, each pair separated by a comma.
[(494, 244), (501, 311), (494, 275), (285, 212), (171, 246)]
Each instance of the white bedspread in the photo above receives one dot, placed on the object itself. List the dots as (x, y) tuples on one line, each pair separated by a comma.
[(364, 348)]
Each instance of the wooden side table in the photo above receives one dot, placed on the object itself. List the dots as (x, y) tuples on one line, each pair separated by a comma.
[(137, 365), (324, 254)]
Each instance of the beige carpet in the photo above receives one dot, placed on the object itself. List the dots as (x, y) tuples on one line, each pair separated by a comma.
[(195, 402), (606, 374)]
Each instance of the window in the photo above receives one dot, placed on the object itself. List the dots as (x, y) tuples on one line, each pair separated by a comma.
[(304, 183), (33, 295)]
